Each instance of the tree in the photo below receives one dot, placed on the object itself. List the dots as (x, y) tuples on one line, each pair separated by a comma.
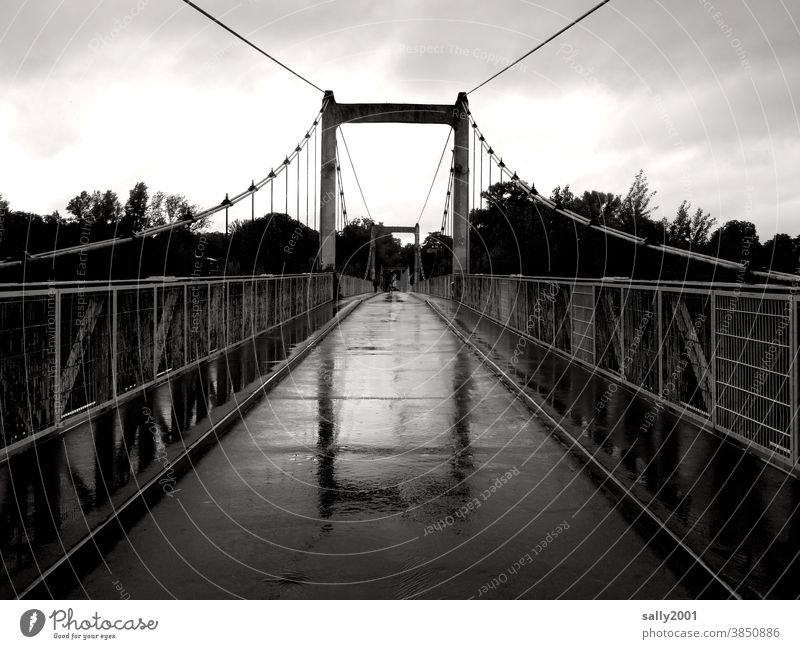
[(168, 208), (3, 207), (633, 214), (437, 254), (736, 241), (135, 218), (107, 208), (702, 222), (781, 253), (563, 198), (599, 206), (97, 207), (352, 246), (689, 231), (274, 243), (81, 206)]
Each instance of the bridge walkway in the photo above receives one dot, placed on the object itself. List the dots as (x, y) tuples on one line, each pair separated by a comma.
[(390, 463), (740, 515)]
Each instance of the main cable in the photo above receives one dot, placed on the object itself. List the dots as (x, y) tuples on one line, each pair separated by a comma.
[(251, 44), (541, 45), (592, 224), (166, 227)]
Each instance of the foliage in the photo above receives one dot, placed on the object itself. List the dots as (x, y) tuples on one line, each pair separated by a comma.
[(510, 234), (437, 254), (690, 232), (102, 208), (272, 244), (135, 217), (735, 240)]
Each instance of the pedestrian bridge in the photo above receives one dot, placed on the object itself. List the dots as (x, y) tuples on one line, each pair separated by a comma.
[(396, 445)]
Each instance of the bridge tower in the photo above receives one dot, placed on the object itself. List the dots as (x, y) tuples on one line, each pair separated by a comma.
[(453, 115), (394, 228)]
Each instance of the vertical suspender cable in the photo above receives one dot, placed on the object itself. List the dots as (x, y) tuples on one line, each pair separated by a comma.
[(474, 166), (315, 177), (297, 212), (307, 172), (481, 188), (338, 197)]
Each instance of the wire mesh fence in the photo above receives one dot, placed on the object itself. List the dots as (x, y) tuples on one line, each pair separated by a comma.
[(67, 349), (722, 356)]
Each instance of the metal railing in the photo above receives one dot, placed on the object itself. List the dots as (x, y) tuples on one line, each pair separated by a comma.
[(69, 348), (350, 286), (723, 354)]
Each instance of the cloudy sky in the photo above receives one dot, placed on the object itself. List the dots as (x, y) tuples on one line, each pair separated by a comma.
[(98, 94)]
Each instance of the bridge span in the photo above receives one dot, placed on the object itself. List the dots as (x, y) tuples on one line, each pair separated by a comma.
[(390, 463)]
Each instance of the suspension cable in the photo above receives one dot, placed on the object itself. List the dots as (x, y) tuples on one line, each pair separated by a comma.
[(540, 45), (341, 189), (254, 46), (442, 230), (474, 161), (286, 164), (315, 175), (187, 221), (481, 139), (297, 192), (352, 166), (435, 174), (308, 155), (632, 238)]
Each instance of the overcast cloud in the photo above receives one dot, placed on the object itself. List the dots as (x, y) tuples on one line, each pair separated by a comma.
[(100, 94)]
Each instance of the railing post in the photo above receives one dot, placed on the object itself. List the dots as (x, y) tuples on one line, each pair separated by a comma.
[(114, 336), (185, 324), (155, 332), (621, 331), (793, 379), (594, 326), (58, 407), (244, 318), (713, 364), (660, 334), (553, 309)]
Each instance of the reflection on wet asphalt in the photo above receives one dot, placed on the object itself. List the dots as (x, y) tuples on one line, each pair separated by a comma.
[(389, 464), (737, 512), (54, 493)]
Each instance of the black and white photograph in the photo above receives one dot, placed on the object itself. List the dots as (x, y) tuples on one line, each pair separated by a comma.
[(342, 302)]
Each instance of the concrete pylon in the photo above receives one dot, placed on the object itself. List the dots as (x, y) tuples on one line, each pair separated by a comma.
[(461, 128), (327, 185), (455, 116)]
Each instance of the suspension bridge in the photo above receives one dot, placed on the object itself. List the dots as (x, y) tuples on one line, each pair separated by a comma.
[(475, 436)]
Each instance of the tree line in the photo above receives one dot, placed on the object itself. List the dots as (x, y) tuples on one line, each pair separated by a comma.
[(509, 234)]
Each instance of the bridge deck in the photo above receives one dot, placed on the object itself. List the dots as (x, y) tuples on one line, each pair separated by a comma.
[(740, 515), (373, 471)]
